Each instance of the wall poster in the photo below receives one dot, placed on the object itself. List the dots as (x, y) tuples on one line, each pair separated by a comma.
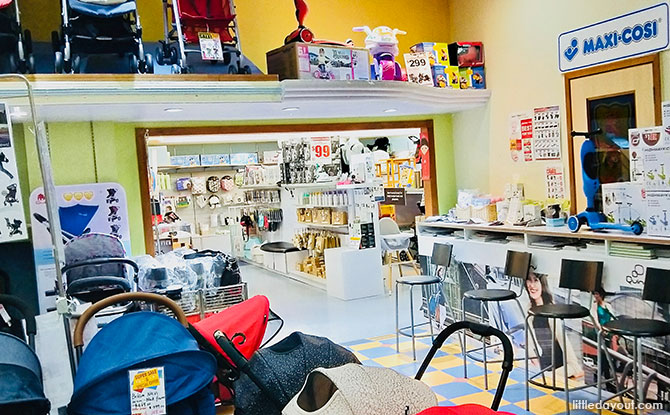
[(547, 133), (12, 219)]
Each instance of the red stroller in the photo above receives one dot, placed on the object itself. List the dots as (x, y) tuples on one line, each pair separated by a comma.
[(191, 17)]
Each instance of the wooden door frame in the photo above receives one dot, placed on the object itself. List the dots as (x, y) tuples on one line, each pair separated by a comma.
[(143, 134), (655, 62)]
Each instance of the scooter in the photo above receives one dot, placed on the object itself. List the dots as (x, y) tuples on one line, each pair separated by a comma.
[(383, 45), (302, 33), (591, 217)]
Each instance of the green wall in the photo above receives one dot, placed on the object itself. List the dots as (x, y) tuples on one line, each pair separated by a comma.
[(84, 152)]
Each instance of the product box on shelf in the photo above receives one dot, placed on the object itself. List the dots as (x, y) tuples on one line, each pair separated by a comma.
[(656, 162), (465, 78), (214, 159), (339, 217), (439, 52), (313, 61), (640, 141), (477, 78), (658, 205), (184, 161), (440, 76), (466, 54), (243, 158), (624, 202)]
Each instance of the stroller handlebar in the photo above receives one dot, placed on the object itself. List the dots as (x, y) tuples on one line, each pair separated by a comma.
[(24, 309), (123, 298)]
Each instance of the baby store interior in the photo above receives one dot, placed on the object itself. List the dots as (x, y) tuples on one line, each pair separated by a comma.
[(300, 207)]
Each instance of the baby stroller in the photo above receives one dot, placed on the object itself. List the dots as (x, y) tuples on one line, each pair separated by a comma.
[(99, 27), (15, 44), (96, 267), (144, 341), (21, 388), (190, 17)]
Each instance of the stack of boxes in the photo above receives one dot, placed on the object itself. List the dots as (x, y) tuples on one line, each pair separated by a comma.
[(458, 65), (313, 265), (322, 216)]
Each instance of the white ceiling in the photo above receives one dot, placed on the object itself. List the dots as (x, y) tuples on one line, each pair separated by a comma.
[(147, 100)]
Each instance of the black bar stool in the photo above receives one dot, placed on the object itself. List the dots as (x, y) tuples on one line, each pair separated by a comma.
[(441, 258), (583, 276), (517, 265), (657, 290)]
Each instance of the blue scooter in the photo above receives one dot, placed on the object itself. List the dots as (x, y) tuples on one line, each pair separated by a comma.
[(591, 217)]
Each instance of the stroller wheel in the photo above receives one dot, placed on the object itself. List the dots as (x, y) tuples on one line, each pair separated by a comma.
[(13, 62), (67, 66), (55, 41), (227, 58), (175, 69), (246, 69), (133, 64), (148, 63), (174, 55), (76, 64), (58, 62), (232, 70), (159, 55), (27, 42), (31, 63)]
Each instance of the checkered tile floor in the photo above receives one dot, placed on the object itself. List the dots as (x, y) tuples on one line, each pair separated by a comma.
[(445, 376)]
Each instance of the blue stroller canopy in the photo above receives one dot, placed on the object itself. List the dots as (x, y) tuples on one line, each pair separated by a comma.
[(137, 341), (21, 389), (75, 219), (101, 10)]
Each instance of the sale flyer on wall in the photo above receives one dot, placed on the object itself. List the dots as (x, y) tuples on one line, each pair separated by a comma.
[(547, 133), (521, 136), (12, 217), (83, 209), (555, 182)]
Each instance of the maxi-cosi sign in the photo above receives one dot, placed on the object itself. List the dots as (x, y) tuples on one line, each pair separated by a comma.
[(638, 33)]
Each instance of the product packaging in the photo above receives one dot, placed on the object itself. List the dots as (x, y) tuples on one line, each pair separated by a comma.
[(214, 159), (465, 78), (428, 47), (313, 61), (641, 140), (658, 205), (191, 160), (465, 54), (624, 203), (478, 79)]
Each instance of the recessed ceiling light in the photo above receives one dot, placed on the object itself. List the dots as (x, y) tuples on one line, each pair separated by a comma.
[(389, 110), (173, 109), (291, 109)]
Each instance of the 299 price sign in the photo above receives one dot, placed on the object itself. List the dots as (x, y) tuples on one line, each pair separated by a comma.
[(321, 150)]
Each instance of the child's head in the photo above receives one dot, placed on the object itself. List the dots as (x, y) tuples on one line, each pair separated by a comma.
[(322, 51), (599, 295)]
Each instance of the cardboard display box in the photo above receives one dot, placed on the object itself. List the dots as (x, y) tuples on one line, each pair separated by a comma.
[(625, 203), (645, 141), (658, 205), (313, 61)]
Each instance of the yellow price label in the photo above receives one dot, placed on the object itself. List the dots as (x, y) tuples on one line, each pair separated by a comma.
[(146, 379)]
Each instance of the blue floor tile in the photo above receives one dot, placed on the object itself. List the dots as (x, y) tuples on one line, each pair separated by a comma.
[(589, 395), (372, 363), (473, 371), (517, 393), (354, 342), (519, 374), (455, 389), (410, 369), (514, 410), (376, 352)]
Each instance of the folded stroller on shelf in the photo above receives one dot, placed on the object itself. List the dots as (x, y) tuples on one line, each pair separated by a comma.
[(96, 267), (99, 27), (184, 19), (16, 46), (21, 388), (153, 343)]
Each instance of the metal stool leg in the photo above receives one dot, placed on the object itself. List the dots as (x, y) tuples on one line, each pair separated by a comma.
[(640, 372), (599, 372), (532, 336), (635, 374), (553, 355), (565, 367), (397, 325), (481, 318), (411, 306), (430, 318), (464, 347)]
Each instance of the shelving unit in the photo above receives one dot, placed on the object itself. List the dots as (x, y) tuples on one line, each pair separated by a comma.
[(167, 169), (259, 187), (323, 226)]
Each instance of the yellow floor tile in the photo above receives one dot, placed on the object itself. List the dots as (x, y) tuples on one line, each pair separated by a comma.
[(545, 405), (361, 357), (440, 398), (446, 362), (436, 378), (365, 346), (493, 381), (380, 338), (482, 398), (451, 348), (393, 360), (407, 346)]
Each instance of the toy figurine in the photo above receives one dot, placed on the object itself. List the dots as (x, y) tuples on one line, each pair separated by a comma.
[(383, 45), (591, 216), (422, 156)]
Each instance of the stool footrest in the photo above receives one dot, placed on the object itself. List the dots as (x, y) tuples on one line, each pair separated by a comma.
[(404, 331)]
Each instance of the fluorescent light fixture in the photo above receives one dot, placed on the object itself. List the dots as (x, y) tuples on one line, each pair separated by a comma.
[(390, 110), (174, 109), (289, 109)]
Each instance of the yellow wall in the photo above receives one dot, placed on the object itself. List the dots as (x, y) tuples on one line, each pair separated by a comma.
[(520, 38), (264, 23)]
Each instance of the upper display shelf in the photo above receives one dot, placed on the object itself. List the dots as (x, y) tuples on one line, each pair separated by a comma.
[(133, 98)]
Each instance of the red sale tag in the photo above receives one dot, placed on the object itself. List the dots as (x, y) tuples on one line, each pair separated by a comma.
[(321, 150)]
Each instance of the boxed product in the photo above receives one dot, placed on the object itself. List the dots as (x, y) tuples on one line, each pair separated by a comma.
[(338, 217), (624, 202), (656, 162), (465, 78), (428, 47), (466, 54), (243, 158), (313, 61), (440, 77), (658, 205), (453, 77), (214, 159), (477, 78), (192, 160), (640, 140)]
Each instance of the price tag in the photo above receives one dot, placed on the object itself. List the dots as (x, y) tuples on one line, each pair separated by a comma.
[(321, 150), (147, 391), (418, 68), (210, 46)]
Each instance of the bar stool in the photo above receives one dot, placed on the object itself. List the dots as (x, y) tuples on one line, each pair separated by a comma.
[(395, 245), (517, 265), (657, 290), (442, 258), (578, 275)]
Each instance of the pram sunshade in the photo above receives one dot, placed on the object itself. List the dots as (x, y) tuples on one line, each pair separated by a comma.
[(136, 341), (21, 389), (104, 11)]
